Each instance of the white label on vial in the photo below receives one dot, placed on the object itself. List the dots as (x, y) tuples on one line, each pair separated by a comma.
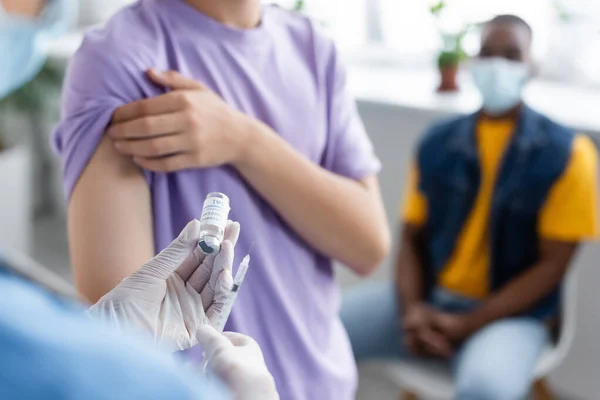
[(215, 212)]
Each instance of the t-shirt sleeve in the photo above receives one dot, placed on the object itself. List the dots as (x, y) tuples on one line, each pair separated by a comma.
[(100, 78), (413, 209), (349, 149), (571, 209)]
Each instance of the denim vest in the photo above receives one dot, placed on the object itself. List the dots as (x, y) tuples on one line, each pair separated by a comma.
[(450, 177)]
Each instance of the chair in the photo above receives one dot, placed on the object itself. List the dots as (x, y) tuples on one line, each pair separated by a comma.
[(427, 381)]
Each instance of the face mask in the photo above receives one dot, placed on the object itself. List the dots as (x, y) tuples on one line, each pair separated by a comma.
[(500, 82), (23, 42)]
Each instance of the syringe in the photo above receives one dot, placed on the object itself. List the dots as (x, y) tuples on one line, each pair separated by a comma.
[(235, 288), (228, 306)]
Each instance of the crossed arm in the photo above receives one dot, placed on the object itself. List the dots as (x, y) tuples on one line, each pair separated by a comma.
[(110, 219), (434, 332)]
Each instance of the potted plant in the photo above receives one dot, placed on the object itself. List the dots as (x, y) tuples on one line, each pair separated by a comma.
[(448, 62), (452, 52), (24, 154)]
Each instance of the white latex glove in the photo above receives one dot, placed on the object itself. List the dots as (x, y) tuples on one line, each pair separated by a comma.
[(176, 292), (238, 361)]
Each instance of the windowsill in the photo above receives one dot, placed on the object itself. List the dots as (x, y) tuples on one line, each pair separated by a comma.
[(408, 88), (377, 78)]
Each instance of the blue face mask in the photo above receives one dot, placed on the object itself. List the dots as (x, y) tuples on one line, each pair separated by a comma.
[(23, 41), (500, 82)]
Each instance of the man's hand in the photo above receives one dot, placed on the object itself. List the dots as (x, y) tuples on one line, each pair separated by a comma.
[(188, 127), (455, 327), (420, 337)]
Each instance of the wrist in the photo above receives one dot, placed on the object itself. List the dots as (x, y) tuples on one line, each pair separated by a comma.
[(474, 321), (240, 134), (250, 134), (411, 306)]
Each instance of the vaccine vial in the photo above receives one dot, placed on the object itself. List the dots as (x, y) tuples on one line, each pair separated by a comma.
[(213, 222)]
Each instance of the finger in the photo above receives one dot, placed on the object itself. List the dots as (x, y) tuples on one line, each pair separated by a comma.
[(413, 345), (222, 290), (435, 343), (232, 232), (209, 270), (223, 261), (186, 270), (191, 264), (148, 126), (176, 162), (161, 146), (161, 104), (409, 339), (411, 325), (408, 325), (168, 260), (174, 80), (239, 339), (201, 275), (211, 340)]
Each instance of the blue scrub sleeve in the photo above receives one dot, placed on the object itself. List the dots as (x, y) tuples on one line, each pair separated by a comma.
[(52, 350)]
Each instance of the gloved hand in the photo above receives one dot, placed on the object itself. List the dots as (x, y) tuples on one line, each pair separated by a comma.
[(238, 361), (176, 292)]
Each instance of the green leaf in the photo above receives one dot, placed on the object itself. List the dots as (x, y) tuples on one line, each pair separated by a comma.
[(561, 11), (448, 59), (437, 8)]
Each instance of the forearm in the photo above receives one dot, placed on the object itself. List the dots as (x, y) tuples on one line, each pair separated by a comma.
[(519, 295), (340, 217), (408, 274), (110, 225)]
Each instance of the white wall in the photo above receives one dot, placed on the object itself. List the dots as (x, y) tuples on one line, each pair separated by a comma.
[(394, 132)]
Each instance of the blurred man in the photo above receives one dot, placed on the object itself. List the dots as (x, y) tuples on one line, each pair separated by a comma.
[(497, 205)]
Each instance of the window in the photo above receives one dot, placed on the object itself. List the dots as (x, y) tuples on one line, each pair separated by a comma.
[(346, 20), (406, 32), (566, 34)]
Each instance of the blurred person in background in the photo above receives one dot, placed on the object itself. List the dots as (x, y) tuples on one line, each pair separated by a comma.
[(497, 204), (173, 99)]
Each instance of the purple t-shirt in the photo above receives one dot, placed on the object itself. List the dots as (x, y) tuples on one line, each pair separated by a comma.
[(285, 73)]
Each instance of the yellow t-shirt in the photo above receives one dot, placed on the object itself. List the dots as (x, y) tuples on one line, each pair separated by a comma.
[(569, 213)]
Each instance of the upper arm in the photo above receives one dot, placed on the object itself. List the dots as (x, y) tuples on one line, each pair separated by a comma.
[(414, 207), (109, 214), (556, 254), (570, 212), (109, 221)]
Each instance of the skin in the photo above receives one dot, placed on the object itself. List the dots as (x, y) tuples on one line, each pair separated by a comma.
[(429, 332), (27, 8), (192, 127), (240, 14)]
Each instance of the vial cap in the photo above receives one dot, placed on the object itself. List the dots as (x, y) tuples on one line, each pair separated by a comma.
[(209, 245)]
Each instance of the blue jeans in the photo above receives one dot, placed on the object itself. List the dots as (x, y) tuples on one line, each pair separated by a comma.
[(496, 363)]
